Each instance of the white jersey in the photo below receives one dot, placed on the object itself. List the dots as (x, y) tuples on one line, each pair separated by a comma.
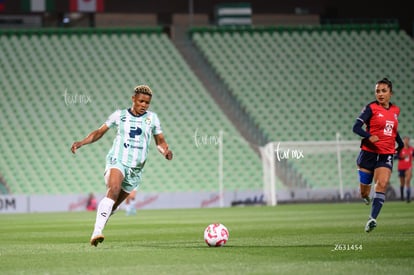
[(133, 138)]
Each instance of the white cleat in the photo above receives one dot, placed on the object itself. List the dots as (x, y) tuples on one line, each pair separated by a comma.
[(367, 200), (371, 224)]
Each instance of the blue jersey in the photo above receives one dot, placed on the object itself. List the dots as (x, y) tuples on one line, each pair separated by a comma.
[(133, 137)]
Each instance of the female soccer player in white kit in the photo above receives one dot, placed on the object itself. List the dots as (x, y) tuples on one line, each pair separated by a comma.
[(127, 156)]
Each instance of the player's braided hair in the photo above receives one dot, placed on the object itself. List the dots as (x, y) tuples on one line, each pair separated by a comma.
[(143, 89)]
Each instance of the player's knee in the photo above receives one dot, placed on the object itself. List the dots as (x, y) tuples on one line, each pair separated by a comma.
[(365, 177), (382, 183)]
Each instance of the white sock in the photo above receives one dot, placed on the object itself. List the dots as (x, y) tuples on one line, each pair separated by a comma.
[(102, 214)]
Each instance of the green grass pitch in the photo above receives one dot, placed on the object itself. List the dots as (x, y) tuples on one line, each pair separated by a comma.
[(286, 239)]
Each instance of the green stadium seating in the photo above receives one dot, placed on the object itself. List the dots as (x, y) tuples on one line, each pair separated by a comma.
[(307, 84), (57, 86)]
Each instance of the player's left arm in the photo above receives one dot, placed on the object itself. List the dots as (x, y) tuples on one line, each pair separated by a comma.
[(400, 142), (162, 146)]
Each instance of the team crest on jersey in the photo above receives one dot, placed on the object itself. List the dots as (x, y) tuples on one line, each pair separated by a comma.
[(389, 125), (148, 121)]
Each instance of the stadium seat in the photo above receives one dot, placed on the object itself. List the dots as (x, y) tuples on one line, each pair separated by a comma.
[(305, 80), (52, 75)]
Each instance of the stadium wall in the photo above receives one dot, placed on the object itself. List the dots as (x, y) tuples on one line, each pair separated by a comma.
[(178, 200), (77, 202)]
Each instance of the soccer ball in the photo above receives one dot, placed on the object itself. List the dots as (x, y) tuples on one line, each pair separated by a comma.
[(216, 234)]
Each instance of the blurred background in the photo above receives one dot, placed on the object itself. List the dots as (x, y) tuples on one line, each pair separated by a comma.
[(257, 99)]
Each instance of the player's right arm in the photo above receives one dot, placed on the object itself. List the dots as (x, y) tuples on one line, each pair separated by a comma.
[(364, 116), (92, 137)]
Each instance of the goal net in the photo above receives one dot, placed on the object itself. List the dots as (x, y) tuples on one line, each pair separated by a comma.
[(310, 170)]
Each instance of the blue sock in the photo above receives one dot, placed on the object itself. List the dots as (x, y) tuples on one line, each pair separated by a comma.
[(408, 193), (379, 199)]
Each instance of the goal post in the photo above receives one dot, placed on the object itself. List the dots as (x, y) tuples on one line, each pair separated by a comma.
[(285, 162), (267, 153)]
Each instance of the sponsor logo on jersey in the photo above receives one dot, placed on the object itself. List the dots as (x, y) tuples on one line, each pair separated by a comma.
[(389, 125), (134, 131), (127, 145)]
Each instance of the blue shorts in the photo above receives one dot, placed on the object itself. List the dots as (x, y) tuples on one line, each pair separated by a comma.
[(132, 176), (401, 173), (371, 161)]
